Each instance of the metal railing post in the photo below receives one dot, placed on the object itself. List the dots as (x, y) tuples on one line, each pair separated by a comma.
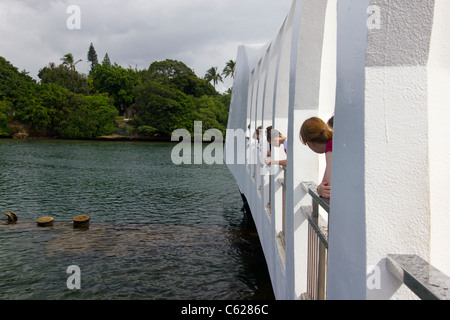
[(317, 246), (283, 220)]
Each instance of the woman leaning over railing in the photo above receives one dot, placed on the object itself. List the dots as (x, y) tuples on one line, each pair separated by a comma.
[(318, 136)]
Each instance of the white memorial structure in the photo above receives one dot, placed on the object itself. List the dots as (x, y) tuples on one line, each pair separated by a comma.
[(382, 68)]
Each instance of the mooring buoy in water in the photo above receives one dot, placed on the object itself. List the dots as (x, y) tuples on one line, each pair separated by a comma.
[(81, 221), (12, 216), (45, 221)]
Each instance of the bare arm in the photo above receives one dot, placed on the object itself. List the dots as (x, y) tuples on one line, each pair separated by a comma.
[(270, 162), (325, 187)]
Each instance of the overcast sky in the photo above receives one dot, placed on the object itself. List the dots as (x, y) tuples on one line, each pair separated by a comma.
[(200, 33)]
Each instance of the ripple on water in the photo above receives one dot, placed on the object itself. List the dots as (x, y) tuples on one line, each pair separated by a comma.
[(122, 261), (157, 231)]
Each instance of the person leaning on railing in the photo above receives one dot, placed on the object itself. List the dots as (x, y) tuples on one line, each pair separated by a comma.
[(318, 136), (257, 133), (276, 139)]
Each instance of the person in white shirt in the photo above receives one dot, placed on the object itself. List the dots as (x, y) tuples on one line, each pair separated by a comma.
[(276, 139)]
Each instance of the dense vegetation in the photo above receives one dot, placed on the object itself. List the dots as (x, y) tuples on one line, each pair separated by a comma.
[(67, 104)]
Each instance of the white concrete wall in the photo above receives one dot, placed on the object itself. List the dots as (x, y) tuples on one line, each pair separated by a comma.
[(285, 83), (389, 89), (384, 197), (439, 133), (347, 244), (312, 93)]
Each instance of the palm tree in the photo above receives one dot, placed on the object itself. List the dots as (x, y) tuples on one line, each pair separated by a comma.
[(69, 61), (213, 75), (229, 69)]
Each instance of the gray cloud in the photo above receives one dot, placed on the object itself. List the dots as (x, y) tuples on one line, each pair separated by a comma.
[(201, 33)]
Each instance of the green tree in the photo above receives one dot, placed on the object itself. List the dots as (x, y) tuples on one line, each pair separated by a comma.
[(178, 75), (166, 96), (213, 112), (65, 77), (164, 71), (70, 62), (106, 60), (29, 109), (36, 115), (14, 84), (229, 69), (92, 56), (118, 82), (163, 108), (213, 75), (5, 115), (85, 117)]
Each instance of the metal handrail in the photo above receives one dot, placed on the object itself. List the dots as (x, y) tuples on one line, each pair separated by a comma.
[(282, 234), (311, 188), (312, 214), (427, 282), (319, 227), (317, 244)]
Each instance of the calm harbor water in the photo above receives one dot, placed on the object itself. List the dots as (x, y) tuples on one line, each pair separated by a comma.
[(157, 230)]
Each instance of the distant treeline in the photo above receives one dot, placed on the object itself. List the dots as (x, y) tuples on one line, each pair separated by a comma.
[(68, 104)]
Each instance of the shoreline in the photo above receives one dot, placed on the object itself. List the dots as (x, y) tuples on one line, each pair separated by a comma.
[(102, 138), (130, 138)]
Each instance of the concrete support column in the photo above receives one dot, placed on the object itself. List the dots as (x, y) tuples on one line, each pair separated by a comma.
[(381, 160), (312, 93), (439, 134)]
